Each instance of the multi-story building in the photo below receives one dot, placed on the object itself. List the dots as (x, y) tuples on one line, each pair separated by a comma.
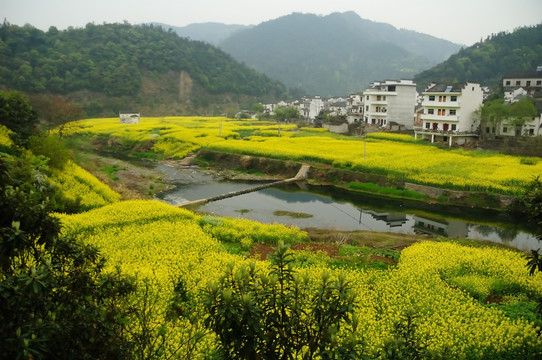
[(390, 101), (449, 112), (354, 108), (528, 80)]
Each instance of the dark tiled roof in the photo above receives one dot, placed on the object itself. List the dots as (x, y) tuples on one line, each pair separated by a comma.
[(523, 74), (442, 88)]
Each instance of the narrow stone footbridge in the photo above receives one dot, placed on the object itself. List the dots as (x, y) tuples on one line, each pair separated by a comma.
[(301, 175)]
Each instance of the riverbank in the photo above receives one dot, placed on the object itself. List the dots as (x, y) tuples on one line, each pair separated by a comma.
[(144, 180), (321, 174)]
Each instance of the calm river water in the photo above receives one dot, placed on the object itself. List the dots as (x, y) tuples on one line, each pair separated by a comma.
[(329, 208)]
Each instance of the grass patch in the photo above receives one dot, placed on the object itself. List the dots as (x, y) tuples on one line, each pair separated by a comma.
[(385, 190), (294, 215), (528, 161), (111, 171)]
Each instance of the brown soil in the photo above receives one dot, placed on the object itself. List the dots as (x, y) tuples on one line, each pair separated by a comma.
[(133, 182), (377, 240), (262, 251)]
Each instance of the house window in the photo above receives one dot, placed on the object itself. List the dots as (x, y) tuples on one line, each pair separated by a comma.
[(452, 111), (518, 82), (453, 98), (378, 98), (505, 129), (384, 98), (367, 97), (538, 82), (531, 132), (430, 111), (391, 87), (442, 112), (428, 125), (454, 127), (507, 82), (366, 107), (442, 99), (431, 97), (528, 82)]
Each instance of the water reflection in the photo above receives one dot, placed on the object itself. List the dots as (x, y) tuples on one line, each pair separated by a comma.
[(331, 209)]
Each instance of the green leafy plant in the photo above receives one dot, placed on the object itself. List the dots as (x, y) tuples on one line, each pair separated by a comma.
[(279, 314)]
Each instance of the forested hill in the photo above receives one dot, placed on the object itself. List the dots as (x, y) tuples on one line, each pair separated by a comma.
[(337, 54), (107, 68), (488, 61)]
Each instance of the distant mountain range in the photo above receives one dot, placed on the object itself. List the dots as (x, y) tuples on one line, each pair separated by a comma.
[(210, 32), (337, 54)]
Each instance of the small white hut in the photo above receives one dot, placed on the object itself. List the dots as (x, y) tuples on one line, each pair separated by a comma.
[(127, 117)]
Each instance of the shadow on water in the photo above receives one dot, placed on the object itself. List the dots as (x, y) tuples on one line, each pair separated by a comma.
[(327, 207)]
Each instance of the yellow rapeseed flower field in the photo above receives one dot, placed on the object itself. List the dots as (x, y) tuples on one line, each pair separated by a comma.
[(163, 243), (394, 155)]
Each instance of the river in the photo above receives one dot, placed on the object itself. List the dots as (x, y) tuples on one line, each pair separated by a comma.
[(327, 207)]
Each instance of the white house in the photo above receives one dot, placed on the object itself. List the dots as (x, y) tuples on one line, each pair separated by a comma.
[(513, 94), (526, 79), (354, 108), (390, 101), (449, 111), (518, 85), (127, 117), (338, 108), (311, 107)]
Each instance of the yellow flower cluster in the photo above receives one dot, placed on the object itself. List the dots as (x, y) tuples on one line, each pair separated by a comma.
[(163, 243), (77, 183), (246, 232), (4, 136)]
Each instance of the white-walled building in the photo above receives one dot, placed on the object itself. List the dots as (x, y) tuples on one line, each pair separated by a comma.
[(354, 108), (311, 107), (127, 117), (525, 79), (449, 112), (390, 101)]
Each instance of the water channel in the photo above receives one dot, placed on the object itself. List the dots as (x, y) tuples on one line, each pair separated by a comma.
[(329, 208)]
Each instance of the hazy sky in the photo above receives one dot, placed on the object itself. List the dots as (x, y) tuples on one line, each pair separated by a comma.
[(460, 21)]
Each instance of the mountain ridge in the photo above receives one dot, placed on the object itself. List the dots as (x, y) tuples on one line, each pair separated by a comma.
[(112, 67), (336, 54)]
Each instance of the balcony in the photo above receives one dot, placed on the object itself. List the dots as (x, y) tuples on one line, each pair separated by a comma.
[(376, 114), (440, 118), (444, 104)]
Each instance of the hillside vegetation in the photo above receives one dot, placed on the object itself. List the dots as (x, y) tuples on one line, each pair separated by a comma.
[(489, 60), (336, 54), (107, 68)]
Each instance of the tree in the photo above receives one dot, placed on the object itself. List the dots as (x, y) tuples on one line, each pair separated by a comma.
[(17, 114), (55, 111), (521, 111), (55, 300), (285, 113), (279, 314), (494, 112)]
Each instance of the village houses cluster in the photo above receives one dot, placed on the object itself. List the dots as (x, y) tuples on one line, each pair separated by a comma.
[(442, 113)]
